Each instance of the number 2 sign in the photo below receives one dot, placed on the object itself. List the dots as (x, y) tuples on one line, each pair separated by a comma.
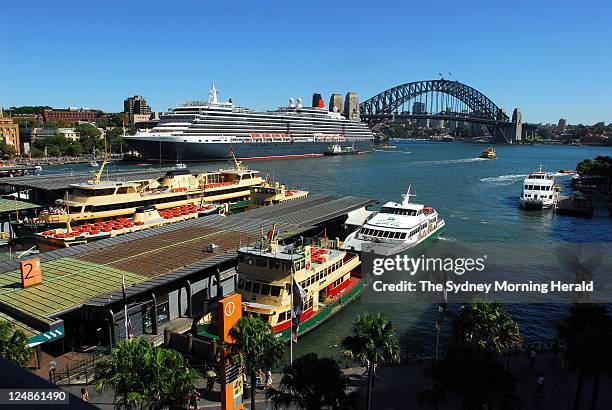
[(30, 272)]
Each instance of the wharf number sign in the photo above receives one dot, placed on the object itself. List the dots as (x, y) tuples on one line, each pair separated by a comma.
[(31, 274)]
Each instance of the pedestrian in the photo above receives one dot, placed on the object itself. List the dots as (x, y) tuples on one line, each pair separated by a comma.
[(259, 379), (268, 383), (84, 394), (193, 400), (540, 384), (532, 358), (367, 367)]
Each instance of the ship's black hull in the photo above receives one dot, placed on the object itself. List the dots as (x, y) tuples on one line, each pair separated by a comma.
[(194, 152)]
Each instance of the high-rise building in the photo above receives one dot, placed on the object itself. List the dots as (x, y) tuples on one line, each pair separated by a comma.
[(562, 125), (71, 115), (335, 103), (9, 131), (351, 106), (136, 105), (420, 108)]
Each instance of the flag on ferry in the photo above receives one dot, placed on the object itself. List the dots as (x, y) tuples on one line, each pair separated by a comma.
[(298, 301), (128, 325)]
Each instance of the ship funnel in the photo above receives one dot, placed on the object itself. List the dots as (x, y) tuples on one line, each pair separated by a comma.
[(291, 103), (299, 103)]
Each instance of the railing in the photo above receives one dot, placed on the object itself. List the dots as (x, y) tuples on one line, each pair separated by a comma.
[(80, 371)]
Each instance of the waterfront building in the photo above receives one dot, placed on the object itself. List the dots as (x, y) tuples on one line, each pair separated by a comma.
[(335, 103), (562, 125), (72, 115), (43, 133), (9, 131), (136, 105)]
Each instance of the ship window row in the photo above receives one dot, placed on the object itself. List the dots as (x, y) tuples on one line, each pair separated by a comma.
[(398, 211), (273, 264), (383, 234), (539, 187), (263, 289), (322, 274), (286, 315), (535, 196), (135, 204)]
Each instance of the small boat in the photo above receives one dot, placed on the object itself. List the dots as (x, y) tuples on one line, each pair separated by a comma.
[(93, 163), (539, 191), (567, 171), (396, 228), (385, 146), (488, 153), (337, 150), (180, 165), (37, 168)]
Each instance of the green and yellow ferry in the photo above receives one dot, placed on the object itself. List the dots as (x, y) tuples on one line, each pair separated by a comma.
[(327, 275)]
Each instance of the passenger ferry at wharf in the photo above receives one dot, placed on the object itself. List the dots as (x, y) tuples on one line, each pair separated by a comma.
[(539, 191), (100, 201), (206, 131), (326, 276), (396, 228)]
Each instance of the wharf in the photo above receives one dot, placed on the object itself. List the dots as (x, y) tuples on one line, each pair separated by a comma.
[(154, 263)]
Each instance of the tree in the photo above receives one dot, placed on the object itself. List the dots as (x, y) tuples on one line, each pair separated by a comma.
[(13, 344), (587, 331), (374, 341), (7, 151), (145, 376), (313, 383), (487, 325), (255, 347), (476, 376)]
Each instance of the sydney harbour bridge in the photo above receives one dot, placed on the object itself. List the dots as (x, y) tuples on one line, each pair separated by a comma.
[(441, 100)]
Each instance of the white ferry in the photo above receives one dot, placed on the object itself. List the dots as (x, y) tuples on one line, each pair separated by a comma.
[(396, 228), (539, 191)]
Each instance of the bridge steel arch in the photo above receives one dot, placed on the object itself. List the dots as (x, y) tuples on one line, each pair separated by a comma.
[(385, 104)]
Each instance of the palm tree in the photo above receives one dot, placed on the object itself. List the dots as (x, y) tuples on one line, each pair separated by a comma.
[(487, 325), (145, 376), (313, 383), (373, 341), (588, 334), (255, 347), (13, 344)]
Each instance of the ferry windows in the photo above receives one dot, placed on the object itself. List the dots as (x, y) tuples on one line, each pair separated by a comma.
[(403, 235), (282, 317), (286, 266), (274, 264), (275, 290), (261, 262), (256, 287), (247, 286), (265, 290)]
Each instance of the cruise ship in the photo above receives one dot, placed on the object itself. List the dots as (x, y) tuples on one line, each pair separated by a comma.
[(208, 131)]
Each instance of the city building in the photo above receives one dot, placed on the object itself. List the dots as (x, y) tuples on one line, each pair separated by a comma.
[(351, 106), (144, 121), (72, 115), (562, 125), (335, 103), (420, 108), (136, 105), (43, 133), (9, 131)]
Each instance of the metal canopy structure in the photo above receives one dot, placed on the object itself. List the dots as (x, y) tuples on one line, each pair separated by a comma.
[(91, 274)]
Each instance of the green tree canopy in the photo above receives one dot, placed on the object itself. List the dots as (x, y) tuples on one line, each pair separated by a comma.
[(7, 151), (144, 376), (313, 383), (487, 325), (255, 347), (13, 344)]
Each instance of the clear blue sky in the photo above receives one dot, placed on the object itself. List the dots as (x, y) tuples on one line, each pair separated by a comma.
[(550, 58)]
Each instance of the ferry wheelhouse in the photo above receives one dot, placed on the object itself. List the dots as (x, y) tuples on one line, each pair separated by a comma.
[(396, 228), (328, 276), (539, 191)]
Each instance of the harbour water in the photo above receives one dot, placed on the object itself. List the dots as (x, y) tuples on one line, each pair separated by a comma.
[(478, 198)]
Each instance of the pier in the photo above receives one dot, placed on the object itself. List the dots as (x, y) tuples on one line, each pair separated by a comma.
[(171, 273)]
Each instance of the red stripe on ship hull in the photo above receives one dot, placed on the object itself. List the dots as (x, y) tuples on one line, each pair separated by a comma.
[(285, 325), (337, 289), (279, 157)]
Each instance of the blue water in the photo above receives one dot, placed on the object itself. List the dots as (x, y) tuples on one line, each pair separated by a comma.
[(477, 198)]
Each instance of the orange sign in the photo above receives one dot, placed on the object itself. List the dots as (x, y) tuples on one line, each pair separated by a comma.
[(230, 311), (31, 273)]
